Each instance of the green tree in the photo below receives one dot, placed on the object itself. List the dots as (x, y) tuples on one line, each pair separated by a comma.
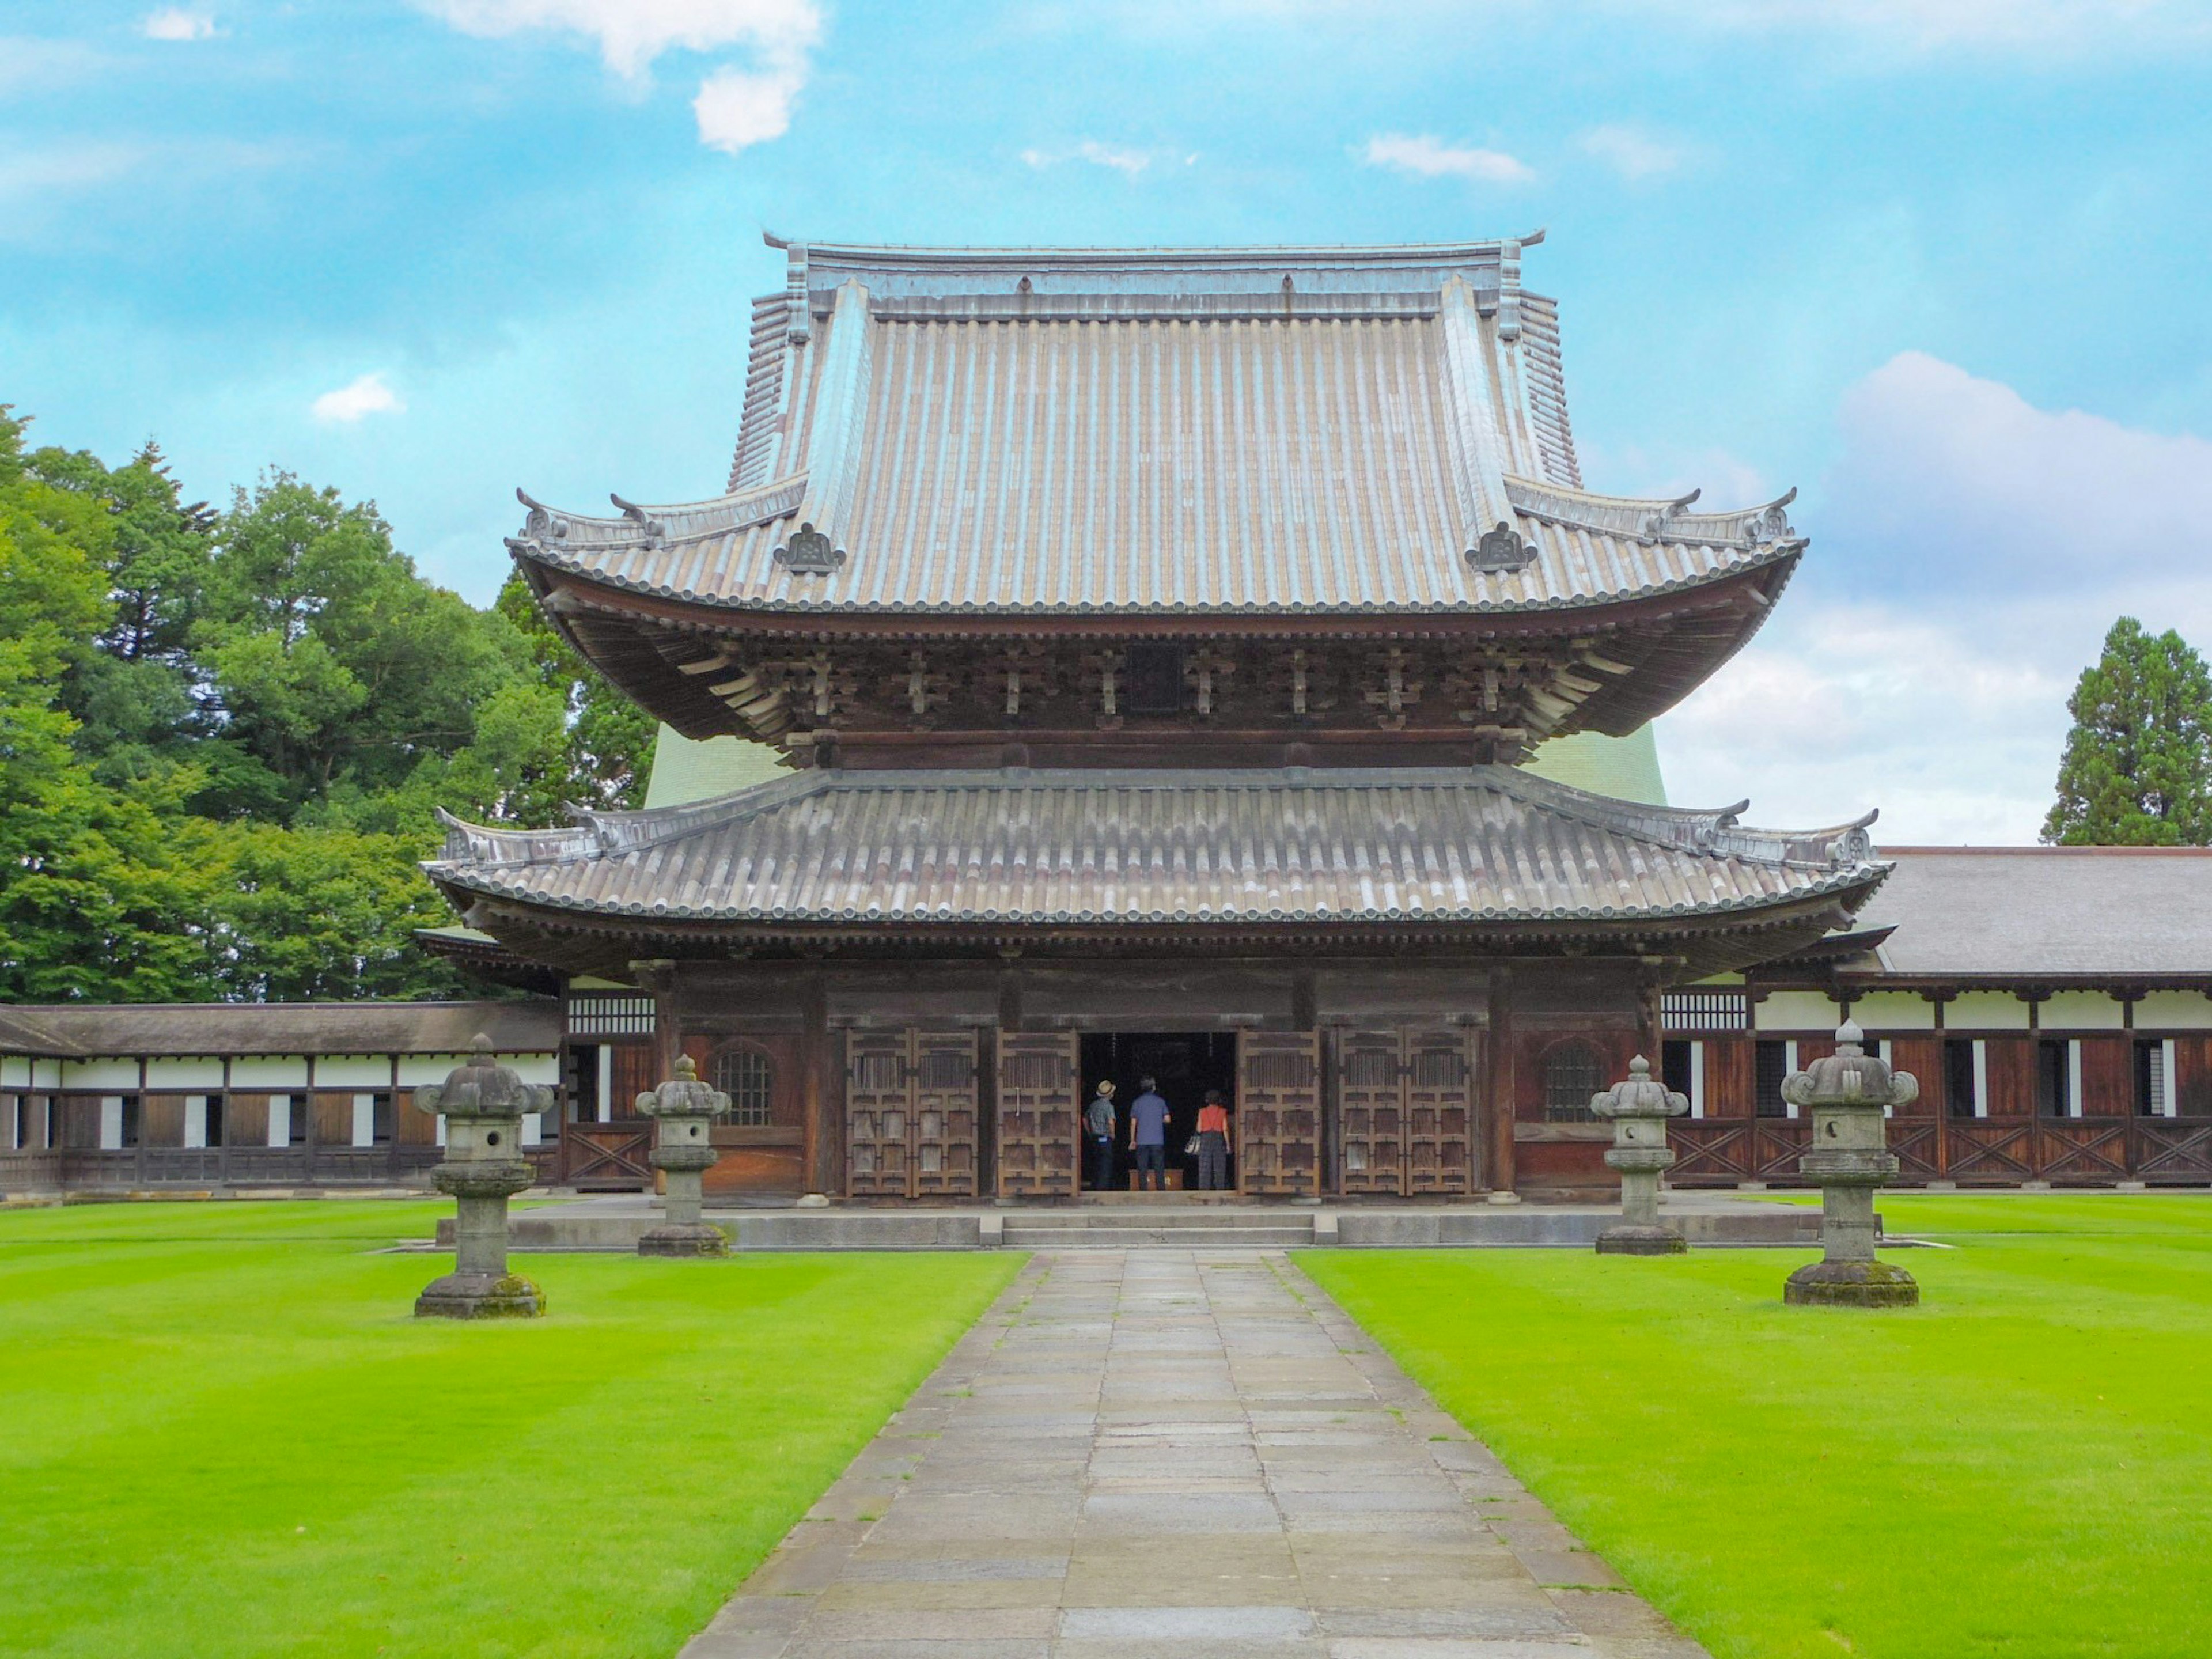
[(100, 896), (2137, 767), (609, 738)]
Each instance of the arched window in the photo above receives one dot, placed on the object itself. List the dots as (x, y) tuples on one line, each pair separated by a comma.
[(1570, 1078), (746, 1076)]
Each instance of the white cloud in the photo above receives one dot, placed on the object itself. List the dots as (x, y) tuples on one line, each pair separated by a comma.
[(631, 34), (30, 173), (1631, 152), (369, 395), (736, 106), (1117, 158), (1929, 24), (1970, 552), (1431, 158), (176, 23)]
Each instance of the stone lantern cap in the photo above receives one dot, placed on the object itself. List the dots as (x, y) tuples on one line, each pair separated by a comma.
[(482, 1087), (1641, 1096), (1850, 1078), (683, 1095)]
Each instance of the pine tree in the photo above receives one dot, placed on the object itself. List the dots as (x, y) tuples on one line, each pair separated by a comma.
[(2137, 768)]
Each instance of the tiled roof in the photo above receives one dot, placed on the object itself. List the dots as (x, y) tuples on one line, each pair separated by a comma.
[(73, 1030), (2019, 912), (1479, 845), (1231, 430)]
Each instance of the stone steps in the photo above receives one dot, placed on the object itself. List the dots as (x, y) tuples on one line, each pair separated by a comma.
[(1243, 1228)]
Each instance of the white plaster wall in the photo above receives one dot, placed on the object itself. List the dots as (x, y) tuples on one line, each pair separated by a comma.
[(1795, 1011), (2084, 1011), (1985, 1011), (15, 1071), (534, 1068), (1894, 1011), (364, 1119), (111, 1123), (269, 1072), (104, 1072), (46, 1074), (353, 1071), (416, 1070), (280, 1120), (191, 1072), (1697, 1080), (2174, 1011), (195, 1117)]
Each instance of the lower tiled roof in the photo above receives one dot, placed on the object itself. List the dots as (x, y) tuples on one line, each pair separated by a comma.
[(1477, 845)]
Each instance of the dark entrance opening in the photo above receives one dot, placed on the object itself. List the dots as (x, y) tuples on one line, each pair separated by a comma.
[(1184, 1065)]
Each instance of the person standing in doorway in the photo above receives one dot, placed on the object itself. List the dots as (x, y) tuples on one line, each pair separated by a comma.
[(1148, 1137), (1098, 1131), (1213, 1143)]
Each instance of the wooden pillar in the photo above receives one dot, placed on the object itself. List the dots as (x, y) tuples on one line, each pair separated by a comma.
[(1650, 1020), (814, 1071), (659, 977), (1498, 1091)]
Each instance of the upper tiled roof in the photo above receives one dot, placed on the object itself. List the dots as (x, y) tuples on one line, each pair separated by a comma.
[(1479, 845), (1130, 430), (2018, 912)]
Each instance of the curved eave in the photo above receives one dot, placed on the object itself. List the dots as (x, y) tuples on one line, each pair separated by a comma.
[(1849, 887), (638, 638)]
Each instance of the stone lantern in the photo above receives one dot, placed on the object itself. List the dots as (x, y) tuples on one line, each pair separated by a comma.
[(685, 1109), (483, 1102), (1639, 1110), (1847, 1094)]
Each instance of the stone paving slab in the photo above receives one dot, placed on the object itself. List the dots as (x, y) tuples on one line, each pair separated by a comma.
[(1178, 1455)]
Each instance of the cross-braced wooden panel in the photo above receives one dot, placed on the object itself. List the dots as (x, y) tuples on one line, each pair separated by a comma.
[(1037, 1085), (1279, 1112), (945, 1114), (878, 1108)]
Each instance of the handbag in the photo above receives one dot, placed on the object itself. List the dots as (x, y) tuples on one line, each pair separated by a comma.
[(1190, 1147)]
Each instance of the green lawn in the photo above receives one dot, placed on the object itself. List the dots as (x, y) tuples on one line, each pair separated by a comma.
[(222, 1432), (2021, 1467)]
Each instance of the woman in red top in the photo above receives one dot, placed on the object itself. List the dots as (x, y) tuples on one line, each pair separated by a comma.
[(1213, 1144)]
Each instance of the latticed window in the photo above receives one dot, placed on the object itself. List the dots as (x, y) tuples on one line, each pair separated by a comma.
[(1570, 1078), (747, 1077)]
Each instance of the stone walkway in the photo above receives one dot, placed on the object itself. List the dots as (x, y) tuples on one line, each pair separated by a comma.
[(1171, 1453)]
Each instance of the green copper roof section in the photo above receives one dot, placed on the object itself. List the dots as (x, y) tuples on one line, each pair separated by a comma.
[(1626, 768), (685, 770)]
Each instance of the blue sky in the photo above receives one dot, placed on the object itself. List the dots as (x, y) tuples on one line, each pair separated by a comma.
[(1942, 263)]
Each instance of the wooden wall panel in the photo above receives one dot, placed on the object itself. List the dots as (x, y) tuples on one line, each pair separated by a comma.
[(2108, 1076), (632, 1070), (2192, 1076), (2011, 1063), (410, 1128), (1037, 1085), (1279, 1112), (333, 1116), (878, 1099), (1731, 1077), (1924, 1058), (1369, 1112), (1439, 1076), (162, 1119), (246, 1120)]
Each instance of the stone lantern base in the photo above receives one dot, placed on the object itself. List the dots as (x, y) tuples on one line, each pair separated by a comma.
[(684, 1238), (1851, 1285), (1641, 1241), (480, 1295)]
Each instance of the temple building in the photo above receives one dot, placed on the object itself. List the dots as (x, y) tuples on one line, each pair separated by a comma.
[(1209, 665)]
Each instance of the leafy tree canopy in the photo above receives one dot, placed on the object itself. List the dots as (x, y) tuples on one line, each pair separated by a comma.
[(2137, 767), (224, 736)]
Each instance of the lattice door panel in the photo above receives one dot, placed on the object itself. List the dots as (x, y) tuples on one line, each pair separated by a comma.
[(1037, 1085), (878, 1110), (1369, 1112), (1279, 1112), (1440, 1083), (945, 1114)]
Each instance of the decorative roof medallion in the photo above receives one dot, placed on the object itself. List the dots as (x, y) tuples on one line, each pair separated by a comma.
[(1501, 549), (810, 553), (1771, 524)]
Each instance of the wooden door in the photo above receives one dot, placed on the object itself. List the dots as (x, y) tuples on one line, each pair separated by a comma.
[(1438, 1074), (1279, 1112), (945, 1116), (1369, 1112), (1037, 1106), (878, 1105)]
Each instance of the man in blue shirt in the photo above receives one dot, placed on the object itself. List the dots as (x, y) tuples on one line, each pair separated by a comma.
[(1148, 1137)]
